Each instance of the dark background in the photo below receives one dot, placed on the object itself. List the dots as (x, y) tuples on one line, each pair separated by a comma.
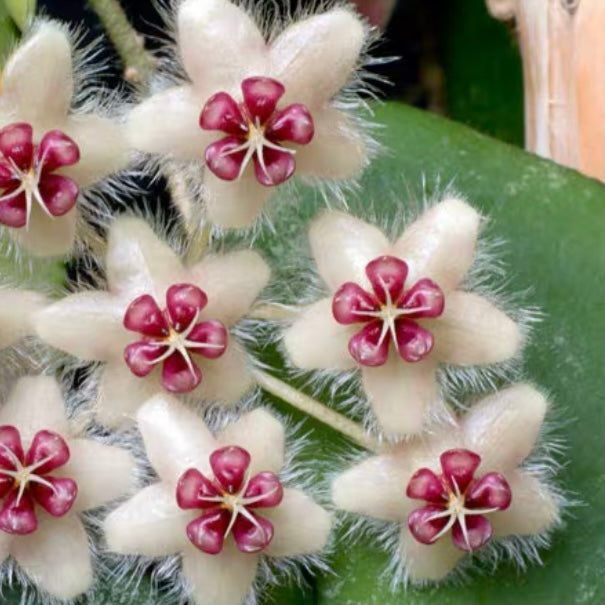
[(454, 58)]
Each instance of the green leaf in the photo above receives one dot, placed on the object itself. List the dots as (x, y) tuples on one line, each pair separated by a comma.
[(552, 218), (20, 11)]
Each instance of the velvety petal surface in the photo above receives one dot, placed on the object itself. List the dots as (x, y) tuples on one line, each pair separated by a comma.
[(343, 245), (56, 556), (34, 404), (149, 524), (17, 309), (300, 525), (400, 392), (317, 340), (262, 436), (222, 579), (175, 437), (167, 123), (38, 76), (504, 427), (86, 324), (232, 283), (472, 331), (102, 472), (440, 244), (219, 44), (374, 487), (306, 59)]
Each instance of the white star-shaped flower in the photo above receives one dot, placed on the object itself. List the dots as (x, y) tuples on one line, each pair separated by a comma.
[(160, 325), (472, 478), (17, 309), (49, 151), (397, 310), (219, 502), (49, 474), (257, 109)]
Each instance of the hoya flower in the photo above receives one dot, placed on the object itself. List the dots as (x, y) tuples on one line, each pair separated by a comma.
[(160, 325), (48, 475), (460, 488), (398, 309), (219, 502), (17, 309), (259, 106), (49, 152)]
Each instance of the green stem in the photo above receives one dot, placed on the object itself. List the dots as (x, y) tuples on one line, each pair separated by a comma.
[(129, 44), (317, 410)]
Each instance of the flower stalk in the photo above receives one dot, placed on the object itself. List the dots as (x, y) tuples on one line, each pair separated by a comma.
[(312, 407)]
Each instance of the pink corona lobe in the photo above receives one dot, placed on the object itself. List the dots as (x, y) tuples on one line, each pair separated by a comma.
[(25, 480), (456, 501), (171, 336), (27, 174), (255, 131), (229, 501), (389, 312)]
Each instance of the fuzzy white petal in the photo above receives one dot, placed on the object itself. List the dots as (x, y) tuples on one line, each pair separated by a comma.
[(175, 437), (38, 77), (35, 403), (121, 393), (472, 331), (232, 282), (219, 43), (139, 262), (227, 378), (427, 561), (337, 151), (103, 148), (504, 427), (149, 524), (222, 579), (168, 123), (440, 245), (102, 472), (343, 245), (314, 58), (262, 435), (317, 340), (56, 556), (533, 508), (17, 309), (374, 487), (47, 236), (87, 324), (234, 204), (301, 525), (400, 392)]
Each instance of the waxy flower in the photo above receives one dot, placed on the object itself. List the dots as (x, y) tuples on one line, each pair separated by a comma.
[(160, 325), (17, 309), (219, 501), (48, 152), (460, 487), (398, 309), (48, 475), (259, 108)]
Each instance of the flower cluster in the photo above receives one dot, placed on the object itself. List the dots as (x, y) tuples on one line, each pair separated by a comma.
[(164, 344)]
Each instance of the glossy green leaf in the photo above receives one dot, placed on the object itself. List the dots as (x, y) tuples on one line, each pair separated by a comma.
[(552, 219), (20, 11)]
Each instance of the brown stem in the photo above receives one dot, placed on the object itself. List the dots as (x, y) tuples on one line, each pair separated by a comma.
[(130, 45)]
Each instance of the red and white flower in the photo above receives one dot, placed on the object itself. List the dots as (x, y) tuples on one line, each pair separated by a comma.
[(48, 153), (470, 478), (49, 474), (272, 98), (219, 501), (183, 347), (397, 310)]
